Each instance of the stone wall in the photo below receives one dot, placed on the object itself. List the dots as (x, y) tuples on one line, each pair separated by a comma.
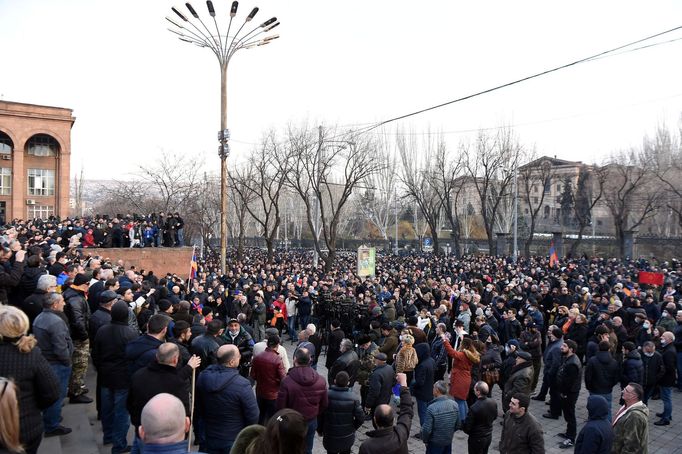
[(160, 260)]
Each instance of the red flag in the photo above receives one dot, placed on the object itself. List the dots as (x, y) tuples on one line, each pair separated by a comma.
[(553, 256), (646, 277)]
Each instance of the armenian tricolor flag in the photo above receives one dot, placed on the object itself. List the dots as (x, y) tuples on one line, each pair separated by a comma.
[(193, 265), (553, 257)]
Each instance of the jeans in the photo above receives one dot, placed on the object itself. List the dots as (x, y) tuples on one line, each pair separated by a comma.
[(463, 409), (310, 436), (568, 407), (115, 418), (609, 400), (666, 397), (291, 321), (52, 414), (421, 410), (181, 237), (303, 320), (434, 449)]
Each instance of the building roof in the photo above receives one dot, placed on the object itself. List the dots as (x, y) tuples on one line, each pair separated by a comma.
[(552, 160)]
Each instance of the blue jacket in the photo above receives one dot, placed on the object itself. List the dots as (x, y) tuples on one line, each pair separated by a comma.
[(225, 402), (422, 386), (141, 352), (441, 421), (552, 358), (632, 369), (597, 435)]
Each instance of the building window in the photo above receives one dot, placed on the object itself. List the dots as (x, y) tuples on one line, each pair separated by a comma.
[(558, 188), (5, 181), (40, 182), (548, 186), (42, 145), (6, 144), (546, 212), (40, 211)]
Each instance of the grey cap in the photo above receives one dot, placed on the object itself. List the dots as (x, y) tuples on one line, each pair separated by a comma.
[(380, 356), (524, 355), (106, 296)]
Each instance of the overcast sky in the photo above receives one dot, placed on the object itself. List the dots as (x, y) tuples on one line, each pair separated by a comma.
[(138, 91)]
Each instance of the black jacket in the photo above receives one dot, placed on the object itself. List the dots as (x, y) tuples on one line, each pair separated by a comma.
[(652, 369), (141, 352), (670, 362), (632, 369), (596, 436), (109, 354), (334, 346), (156, 379), (9, 278), (205, 347), (422, 387), (340, 420), (33, 305), (98, 319), (348, 362), (38, 388), (380, 386), (78, 313), (602, 373), (479, 420), (568, 376), (392, 439)]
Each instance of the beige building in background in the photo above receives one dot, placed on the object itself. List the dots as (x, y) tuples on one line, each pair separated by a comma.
[(35, 154)]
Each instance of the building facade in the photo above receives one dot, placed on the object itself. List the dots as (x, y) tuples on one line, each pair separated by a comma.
[(35, 154)]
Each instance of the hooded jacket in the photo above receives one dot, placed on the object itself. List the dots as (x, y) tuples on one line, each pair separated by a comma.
[(225, 402), (597, 435), (109, 350), (519, 382), (303, 390), (602, 373), (633, 369), (340, 420), (631, 430), (422, 387)]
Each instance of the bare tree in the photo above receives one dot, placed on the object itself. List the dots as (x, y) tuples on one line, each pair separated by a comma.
[(588, 192), (533, 179), (377, 204), (240, 199), (491, 166), (665, 151), (630, 192), (419, 170), (450, 184), (325, 169), (263, 179)]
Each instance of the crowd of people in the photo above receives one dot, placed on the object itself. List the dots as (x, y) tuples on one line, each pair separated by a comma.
[(153, 230), (206, 361)]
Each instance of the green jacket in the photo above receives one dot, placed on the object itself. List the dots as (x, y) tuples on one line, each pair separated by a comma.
[(631, 432)]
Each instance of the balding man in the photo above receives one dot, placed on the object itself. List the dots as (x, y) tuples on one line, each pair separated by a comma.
[(479, 421), (164, 425), (225, 402), (669, 378), (389, 438)]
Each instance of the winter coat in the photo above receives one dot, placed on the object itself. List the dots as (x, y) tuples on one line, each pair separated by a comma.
[(438, 352), (568, 377), (334, 346), (631, 430), (9, 278), (406, 359), (392, 440), (342, 417), (33, 305), (366, 362), (552, 359), (390, 346), (422, 386), (602, 373), (37, 384), (460, 375), (268, 371), (578, 333), (441, 421), (225, 402), (98, 319), (480, 418), (521, 435), (596, 436), (205, 347), (348, 362), (243, 341), (380, 386), (141, 352), (78, 313), (303, 390), (156, 379), (52, 332), (652, 369), (632, 369), (519, 382), (531, 343), (670, 362), (109, 354)]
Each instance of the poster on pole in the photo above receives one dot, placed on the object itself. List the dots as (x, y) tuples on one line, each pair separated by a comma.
[(366, 261)]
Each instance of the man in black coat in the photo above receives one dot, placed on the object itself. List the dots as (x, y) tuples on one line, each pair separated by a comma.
[(669, 378), (602, 373), (479, 421), (334, 343), (347, 362), (109, 357), (161, 376), (342, 417), (652, 369), (78, 313), (568, 382), (102, 316), (380, 384), (142, 351), (206, 345), (422, 386)]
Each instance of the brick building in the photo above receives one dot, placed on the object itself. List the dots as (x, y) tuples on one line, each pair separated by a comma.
[(35, 153)]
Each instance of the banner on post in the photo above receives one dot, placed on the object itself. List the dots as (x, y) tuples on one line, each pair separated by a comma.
[(647, 277), (366, 261)]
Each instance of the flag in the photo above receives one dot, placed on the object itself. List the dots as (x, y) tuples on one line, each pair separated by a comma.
[(553, 257), (193, 265), (646, 277)]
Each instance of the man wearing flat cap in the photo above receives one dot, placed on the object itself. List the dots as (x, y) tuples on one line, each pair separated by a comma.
[(380, 384), (520, 379)]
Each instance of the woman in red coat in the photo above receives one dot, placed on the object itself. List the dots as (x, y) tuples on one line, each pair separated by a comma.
[(460, 375)]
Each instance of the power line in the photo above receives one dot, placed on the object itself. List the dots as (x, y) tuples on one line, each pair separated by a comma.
[(597, 56)]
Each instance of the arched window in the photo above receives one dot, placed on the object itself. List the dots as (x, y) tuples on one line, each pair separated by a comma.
[(6, 145), (42, 145)]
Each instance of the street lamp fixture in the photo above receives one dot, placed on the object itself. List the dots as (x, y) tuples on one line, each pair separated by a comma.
[(194, 30)]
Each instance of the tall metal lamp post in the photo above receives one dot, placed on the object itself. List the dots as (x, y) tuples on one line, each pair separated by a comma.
[(224, 46)]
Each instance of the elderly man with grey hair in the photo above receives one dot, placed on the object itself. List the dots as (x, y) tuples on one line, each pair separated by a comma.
[(348, 362), (164, 425), (33, 304), (479, 421), (441, 420), (54, 339)]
